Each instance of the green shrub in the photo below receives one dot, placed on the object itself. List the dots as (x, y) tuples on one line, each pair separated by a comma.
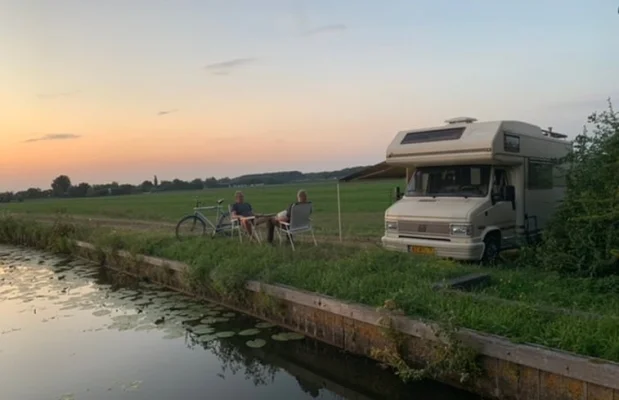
[(583, 237), (56, 237)]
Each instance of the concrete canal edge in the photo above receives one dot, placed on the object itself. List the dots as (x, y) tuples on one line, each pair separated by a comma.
[(509, 370)]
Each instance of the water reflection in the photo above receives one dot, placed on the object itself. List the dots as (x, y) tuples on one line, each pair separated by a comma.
[(80, 331)]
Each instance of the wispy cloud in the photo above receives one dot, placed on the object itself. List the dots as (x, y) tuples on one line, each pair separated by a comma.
[(225, 67), (304, 25), (166, 112), (54, 136), (45, 96), (324, 29)]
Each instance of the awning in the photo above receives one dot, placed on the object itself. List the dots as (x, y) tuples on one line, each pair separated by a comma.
[(375, 172)]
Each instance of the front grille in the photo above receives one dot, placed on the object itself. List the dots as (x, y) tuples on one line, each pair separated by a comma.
[(422, 228)]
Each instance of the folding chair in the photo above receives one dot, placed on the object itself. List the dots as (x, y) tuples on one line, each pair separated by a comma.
[(235, 225), (300, 222)]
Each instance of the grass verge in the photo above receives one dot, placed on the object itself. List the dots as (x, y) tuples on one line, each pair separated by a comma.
[(374, 276)]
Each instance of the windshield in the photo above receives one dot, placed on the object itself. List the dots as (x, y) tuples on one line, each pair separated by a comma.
[(450, 181)]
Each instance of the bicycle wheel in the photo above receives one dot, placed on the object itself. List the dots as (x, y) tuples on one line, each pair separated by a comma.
[(190, 226)]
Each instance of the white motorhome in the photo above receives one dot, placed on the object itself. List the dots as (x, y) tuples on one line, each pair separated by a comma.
[(474, 188)]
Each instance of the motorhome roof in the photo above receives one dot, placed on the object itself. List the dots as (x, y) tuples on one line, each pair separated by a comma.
[(464, 139), (522, 128)]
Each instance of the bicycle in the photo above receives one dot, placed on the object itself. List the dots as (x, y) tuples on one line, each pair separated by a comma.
[(203, 224)]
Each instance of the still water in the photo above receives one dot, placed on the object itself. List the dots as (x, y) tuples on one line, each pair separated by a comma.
[(72, 330)]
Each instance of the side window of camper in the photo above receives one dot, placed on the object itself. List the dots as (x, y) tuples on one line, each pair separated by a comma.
[(540, 176), (559, 172)]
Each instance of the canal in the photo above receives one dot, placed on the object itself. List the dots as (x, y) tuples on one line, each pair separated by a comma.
[(71, 330)]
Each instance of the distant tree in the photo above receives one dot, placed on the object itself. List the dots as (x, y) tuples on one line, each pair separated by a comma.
[(197, 184), (6, 197), (61, 185), (156, 182), (33, 193), (211, 182), (146, 186), (124, 189), (80, 190)]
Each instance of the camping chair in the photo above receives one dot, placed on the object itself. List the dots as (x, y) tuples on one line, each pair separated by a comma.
[(235, 225), (300, 222)]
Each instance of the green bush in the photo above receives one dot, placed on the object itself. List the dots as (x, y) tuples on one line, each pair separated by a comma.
[(56, 237), (583, 237)]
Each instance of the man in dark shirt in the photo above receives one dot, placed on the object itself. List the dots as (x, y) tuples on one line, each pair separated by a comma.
[(284, 216), (241, 210)]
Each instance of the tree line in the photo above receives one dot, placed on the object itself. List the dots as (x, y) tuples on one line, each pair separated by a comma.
[(62, 186)]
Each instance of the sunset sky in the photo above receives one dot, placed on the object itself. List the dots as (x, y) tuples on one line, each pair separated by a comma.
[(266, 85)]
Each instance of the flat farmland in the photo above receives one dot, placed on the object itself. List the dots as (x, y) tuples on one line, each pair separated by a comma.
[(363, 205)]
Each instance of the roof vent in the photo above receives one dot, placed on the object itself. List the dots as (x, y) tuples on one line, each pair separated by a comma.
[(461, 120), (552, 134)]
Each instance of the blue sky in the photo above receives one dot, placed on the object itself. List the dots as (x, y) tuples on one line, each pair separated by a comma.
[(334, 78)]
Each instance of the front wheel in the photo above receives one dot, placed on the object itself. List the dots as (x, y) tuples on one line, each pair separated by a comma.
[(492, 248), (190, 226)]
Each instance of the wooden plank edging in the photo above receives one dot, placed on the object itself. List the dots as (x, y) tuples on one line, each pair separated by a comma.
[(588, 369)]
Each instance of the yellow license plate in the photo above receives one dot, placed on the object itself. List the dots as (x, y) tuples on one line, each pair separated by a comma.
[(427, 251)]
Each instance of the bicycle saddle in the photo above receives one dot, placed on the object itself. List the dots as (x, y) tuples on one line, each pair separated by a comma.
[(220, 201)]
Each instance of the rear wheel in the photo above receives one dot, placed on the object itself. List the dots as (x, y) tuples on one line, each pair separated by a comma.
[(224, 225), (492, 248), (190, 226)]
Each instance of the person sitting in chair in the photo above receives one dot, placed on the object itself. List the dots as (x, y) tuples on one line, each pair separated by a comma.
[(284, 216), (240, 210)]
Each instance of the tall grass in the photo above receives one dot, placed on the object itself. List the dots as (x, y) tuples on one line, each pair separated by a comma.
[(373, 276)]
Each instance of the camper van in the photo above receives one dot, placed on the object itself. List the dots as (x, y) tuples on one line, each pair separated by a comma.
[(474, 188)]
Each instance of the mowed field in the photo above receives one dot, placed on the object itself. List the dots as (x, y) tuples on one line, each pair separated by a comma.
[(363, 205)]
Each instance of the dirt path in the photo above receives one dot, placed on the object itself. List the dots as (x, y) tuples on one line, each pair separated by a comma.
[(162, 226)]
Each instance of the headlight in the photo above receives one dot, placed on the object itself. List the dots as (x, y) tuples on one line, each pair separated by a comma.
[(460, 229), (391, 225)]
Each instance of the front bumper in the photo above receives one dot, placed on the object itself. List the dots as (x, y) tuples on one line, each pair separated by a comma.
[(455, 250)]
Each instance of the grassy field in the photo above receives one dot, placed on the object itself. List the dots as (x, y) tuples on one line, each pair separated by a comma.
[(363, 205)]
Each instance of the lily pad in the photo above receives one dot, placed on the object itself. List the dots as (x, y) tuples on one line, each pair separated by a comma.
[(146, 327), (286, 336), (225, 334), (256, 343), (207, 338), (174, 335), (101, 313), (229, 315), (212, 313), (264, 325), (202, 330), (213, 320), (249, 332)]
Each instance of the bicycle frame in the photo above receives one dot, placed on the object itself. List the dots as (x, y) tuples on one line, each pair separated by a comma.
[(220, 216)]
